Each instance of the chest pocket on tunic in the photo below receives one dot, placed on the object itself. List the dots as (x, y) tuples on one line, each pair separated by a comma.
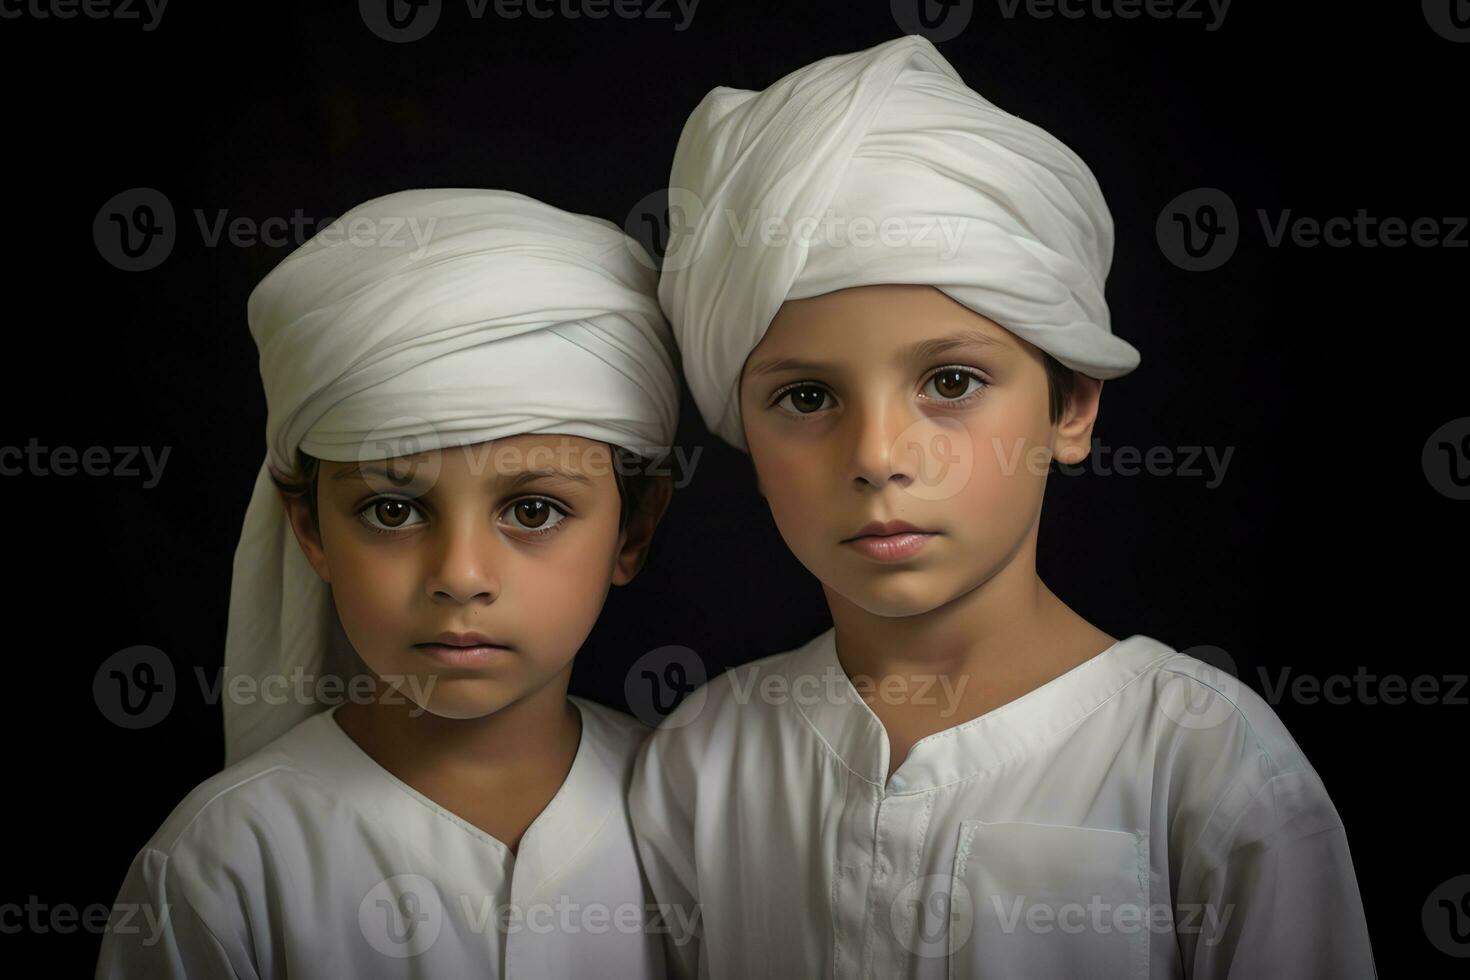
[(1048, 901)]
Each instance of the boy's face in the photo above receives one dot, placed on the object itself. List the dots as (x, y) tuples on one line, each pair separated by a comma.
[(516, 540), (896, 403)]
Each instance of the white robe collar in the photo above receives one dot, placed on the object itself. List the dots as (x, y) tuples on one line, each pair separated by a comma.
[(851, 730), (574, 816)]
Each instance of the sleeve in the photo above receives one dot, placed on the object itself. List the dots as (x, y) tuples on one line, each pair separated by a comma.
[(154, 931), (661, 805), (1269, 890)]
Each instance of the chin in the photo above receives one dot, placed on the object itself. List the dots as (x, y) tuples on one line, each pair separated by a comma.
[(895, 596), (462, 699)]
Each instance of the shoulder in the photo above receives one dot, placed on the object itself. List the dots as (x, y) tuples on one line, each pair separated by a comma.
[(744, 695), (1202, 706), (1232, 772), (223, 862), (234, 815), (743, 710)]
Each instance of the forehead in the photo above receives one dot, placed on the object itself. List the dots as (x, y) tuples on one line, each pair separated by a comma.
[(873, 323), (548, 455), (574, 453)]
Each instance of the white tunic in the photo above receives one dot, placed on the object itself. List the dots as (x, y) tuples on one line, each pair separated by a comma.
[(1142, 815), (308, 859)]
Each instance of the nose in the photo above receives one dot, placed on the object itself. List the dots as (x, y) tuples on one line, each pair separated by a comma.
[(463, 563), (876, 458)]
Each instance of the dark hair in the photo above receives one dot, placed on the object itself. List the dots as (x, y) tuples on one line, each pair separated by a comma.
[(634, 481), (1061, 382), (630, 470), (310, 469)]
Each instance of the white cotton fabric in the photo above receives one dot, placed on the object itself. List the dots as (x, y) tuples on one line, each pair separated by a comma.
[(422, 320), (878, 167), (308, 859), (1143, 784)]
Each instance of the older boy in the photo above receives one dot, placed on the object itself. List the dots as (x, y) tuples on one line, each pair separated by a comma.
[(892, 297)]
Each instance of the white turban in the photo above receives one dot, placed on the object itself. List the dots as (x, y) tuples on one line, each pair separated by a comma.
[(423, 320), (878, 167)]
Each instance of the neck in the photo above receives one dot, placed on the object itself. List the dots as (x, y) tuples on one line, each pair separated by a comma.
[(984, 632), (986, 647), (535, 733)]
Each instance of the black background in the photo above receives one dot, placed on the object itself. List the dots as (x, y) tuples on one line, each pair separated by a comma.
[(1325, 549)]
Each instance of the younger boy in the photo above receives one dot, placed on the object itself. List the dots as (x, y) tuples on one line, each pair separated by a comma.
[(457, 382)]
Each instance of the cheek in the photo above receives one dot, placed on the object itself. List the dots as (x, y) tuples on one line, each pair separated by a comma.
[(1010, 459), (372, 587), (794, 477), (559, 591)]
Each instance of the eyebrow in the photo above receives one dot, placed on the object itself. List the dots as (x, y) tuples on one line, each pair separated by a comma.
[(922, 350), (925, 349), (361, 470), (528, 476), (358, 471)]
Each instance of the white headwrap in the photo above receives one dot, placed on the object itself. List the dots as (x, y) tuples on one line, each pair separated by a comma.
[(878, 167), (426, 319)]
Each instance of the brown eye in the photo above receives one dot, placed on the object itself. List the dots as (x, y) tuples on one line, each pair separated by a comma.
[(535, 514), (388, 514), (532, 513), (951, 384), (805, 399), (393, 512)]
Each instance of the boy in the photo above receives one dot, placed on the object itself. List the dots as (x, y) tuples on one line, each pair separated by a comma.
[(891, 295), (448, 496)]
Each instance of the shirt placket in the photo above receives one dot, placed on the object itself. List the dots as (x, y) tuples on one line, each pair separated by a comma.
[(852, 876), (872, 888), (894, 889)]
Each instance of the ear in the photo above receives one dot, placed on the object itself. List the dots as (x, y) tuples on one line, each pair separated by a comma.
[(637, 536), (1074, 431), (308, 535)]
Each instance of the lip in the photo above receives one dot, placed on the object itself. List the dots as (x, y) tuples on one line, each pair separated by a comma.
[(891, 547), (449, 639), (883, 529), (463, 649)]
